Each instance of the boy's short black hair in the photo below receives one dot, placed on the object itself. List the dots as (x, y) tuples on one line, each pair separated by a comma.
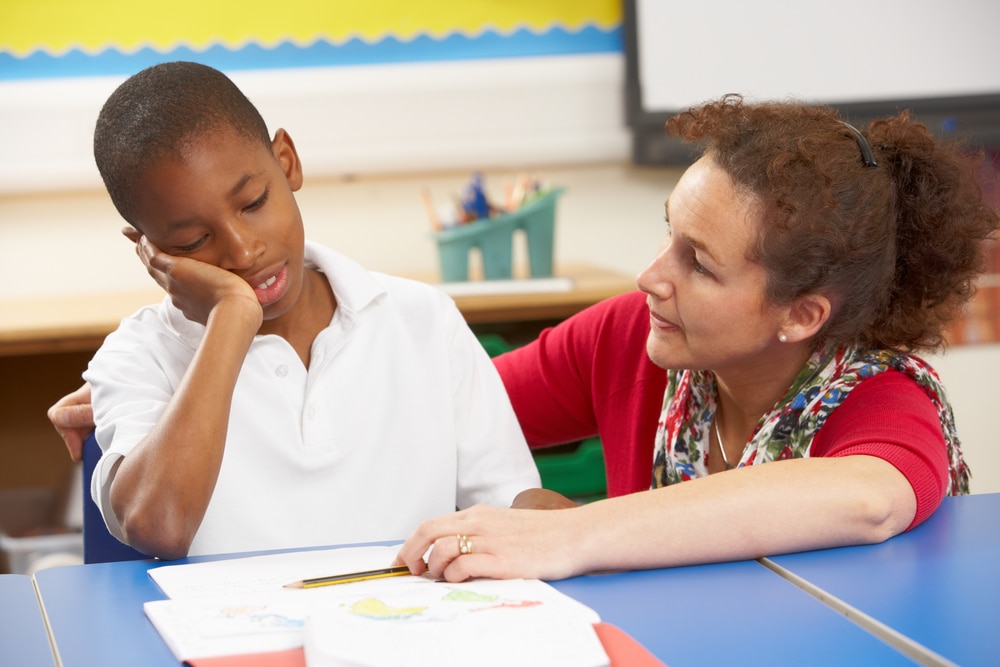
[(158, 111)]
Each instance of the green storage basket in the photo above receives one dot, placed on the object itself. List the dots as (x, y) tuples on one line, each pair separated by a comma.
[(494, 344), (578, 474), (495, 239)]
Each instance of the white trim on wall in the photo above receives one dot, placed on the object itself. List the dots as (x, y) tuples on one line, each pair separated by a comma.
[(511, 113)]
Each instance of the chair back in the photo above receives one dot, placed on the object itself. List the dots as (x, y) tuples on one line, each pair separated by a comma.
[(99, 545)]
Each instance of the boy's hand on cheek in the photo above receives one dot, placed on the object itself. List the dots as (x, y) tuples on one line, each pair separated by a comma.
[(195, 287)]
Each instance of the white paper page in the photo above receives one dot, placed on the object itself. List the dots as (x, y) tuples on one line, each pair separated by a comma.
[(487, 623), (206, 627), (263, 574), (415, 614), (236, 623)]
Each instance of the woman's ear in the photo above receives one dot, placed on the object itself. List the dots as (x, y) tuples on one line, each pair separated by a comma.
[(284, 151), (806, 317)]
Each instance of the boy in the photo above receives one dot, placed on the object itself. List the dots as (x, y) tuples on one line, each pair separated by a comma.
[(280, 395)]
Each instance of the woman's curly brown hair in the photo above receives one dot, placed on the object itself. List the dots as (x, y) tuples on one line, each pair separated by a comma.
[(896, 248)]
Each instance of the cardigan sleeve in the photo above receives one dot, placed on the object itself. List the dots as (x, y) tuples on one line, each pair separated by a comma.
[(549, 380), (890, 417), (590, 375)]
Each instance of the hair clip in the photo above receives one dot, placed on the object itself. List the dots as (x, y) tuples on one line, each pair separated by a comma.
[(867, 154)]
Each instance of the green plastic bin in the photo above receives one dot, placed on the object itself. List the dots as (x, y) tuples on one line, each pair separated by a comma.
[(495, 239), (578, 474), (494, 344)]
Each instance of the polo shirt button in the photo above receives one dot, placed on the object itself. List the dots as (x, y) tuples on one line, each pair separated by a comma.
[(281, 371)]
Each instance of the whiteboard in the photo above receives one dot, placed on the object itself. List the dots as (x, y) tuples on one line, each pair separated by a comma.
[(869, 55), (844, 51)]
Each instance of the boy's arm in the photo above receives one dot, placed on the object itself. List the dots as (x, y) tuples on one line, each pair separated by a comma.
[(159, 492), (495, 464)]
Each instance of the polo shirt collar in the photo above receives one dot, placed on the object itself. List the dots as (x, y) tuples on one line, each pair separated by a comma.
[(353, 285)]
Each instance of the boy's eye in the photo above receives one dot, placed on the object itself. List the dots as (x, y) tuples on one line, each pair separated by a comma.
[(191, 246), (257, 203)]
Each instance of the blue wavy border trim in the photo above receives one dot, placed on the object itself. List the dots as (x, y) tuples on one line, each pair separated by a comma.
[(489, 44)]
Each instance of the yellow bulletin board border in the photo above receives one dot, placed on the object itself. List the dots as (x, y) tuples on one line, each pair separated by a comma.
[(52, 38)]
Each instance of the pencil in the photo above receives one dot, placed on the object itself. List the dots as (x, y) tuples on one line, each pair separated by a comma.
[(350, 577), (431, 213)]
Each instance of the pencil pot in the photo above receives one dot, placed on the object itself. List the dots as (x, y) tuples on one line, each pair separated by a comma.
[(494, 237), (538, 222)]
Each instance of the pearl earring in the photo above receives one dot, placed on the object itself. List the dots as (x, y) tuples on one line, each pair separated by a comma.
[(783, 338)]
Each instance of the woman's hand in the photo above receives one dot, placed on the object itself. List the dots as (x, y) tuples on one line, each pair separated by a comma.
[(485, 541), (73, 418), (195, 287)]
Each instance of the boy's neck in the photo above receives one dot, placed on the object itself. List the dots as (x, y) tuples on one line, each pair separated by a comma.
[(311, 314)]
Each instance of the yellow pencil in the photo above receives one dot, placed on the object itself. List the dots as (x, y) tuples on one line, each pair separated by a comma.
[(350, 577)]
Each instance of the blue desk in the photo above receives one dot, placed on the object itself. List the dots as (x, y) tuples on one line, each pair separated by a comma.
[(939, 584), (734, 613), (728, 614), (23, 639)]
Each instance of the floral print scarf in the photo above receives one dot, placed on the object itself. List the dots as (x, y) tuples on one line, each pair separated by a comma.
[(787, 431)]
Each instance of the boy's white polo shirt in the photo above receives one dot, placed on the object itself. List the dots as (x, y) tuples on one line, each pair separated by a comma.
[(400, 416)]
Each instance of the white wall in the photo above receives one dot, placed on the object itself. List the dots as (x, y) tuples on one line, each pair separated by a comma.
[(971, 375), (399, 118), (611, 215)]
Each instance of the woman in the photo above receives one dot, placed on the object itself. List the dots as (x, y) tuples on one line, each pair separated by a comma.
[(804, 263)]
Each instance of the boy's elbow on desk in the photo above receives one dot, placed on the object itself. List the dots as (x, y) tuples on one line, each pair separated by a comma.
[(167, 539), (154, 529)]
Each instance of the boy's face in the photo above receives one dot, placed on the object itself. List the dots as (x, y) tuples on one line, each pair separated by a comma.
[(227, 201)]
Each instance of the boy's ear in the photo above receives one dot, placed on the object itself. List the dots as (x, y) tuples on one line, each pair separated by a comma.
[(284, 151)]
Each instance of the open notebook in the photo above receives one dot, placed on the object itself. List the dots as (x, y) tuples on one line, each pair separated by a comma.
[(240, 606)]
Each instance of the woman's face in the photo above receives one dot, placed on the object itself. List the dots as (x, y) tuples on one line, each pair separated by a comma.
[(706, 300)]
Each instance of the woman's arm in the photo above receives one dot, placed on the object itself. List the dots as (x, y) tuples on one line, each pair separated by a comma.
[(780, 507), (73, 418)]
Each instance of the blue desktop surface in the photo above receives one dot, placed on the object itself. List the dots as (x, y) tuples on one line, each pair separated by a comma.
[(96, 616), (23, 638), (728, 614), (733, 613), (938, 584)]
